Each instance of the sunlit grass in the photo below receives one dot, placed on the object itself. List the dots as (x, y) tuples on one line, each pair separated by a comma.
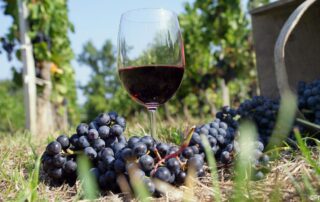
[(139, 187), (19, 171), (213, 169), (306, 152), (243, 162)]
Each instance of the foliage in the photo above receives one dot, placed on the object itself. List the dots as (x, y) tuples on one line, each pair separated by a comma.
[(217, 46), (48, 28), (11, 110), (256, 3), (103, 91)]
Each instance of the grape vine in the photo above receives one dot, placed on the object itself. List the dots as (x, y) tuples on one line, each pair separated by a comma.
[(48, 30)]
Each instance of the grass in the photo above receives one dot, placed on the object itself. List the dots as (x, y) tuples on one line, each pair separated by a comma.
[(294, 174)]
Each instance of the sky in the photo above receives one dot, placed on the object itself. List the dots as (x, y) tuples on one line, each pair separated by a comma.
[(95, 20)]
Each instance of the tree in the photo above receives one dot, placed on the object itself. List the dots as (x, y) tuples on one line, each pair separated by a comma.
[(48, 28), (218, 51), (103, 91)]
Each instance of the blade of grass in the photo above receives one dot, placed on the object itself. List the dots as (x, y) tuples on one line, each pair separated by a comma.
[(243, 162), (285, 119), (35, 180), (306, 152), (308, 123), (295, 183), (139, 187), (308, 186), (189, 194), (168, 189), (88, 182), (4, 175), (213, 169), (29, 191), (317, 141)]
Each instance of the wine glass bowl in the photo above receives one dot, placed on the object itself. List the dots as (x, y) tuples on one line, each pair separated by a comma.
[(150, 56), (151, 85)]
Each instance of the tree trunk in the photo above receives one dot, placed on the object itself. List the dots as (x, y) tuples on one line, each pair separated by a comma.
[(50, 116), (61, 116), (225, 93), (45, 121)]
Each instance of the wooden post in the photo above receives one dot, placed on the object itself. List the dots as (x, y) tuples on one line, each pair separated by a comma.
[(28, 69)]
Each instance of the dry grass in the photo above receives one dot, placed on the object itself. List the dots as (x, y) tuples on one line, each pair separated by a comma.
[(290, 178)]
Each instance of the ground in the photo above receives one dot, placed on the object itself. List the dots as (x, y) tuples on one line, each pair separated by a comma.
[(292, 178)]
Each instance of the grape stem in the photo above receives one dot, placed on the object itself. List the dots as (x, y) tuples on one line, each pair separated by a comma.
[(69, 152), (187, 138), (308, 124)]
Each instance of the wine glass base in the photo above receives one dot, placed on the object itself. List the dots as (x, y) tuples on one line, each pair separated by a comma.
[(152, 106)]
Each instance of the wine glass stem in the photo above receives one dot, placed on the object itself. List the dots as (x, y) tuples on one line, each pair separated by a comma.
[(153, 123)]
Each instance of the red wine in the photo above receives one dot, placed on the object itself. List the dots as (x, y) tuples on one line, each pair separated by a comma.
[(151, 85)]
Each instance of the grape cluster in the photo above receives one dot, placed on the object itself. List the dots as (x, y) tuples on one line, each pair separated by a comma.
[(59, 159), (220, 133), (57, 164), (114, 158), (263, 112), (309, 100), (228, 115), (111, 155), (222, 136), (145, 158)]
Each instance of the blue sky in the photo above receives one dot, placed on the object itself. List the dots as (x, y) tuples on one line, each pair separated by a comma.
[(95, 20)]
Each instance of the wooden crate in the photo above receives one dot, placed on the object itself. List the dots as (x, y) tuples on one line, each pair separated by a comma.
[(302, 52)]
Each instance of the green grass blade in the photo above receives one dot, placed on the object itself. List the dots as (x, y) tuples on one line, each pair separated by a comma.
[(139, 187), (29, 191), (308, 186), (295, 183), (141, 191), (3, 174), (213, 169), (89, 184), (285, 120), (308, 123), (243, 162), (35, 180), (306, 152)]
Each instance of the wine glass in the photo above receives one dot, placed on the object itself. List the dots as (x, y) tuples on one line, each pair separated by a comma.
[(150, 57)]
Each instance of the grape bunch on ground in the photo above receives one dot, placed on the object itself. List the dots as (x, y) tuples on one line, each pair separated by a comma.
[(111, 155), (105, 145)]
